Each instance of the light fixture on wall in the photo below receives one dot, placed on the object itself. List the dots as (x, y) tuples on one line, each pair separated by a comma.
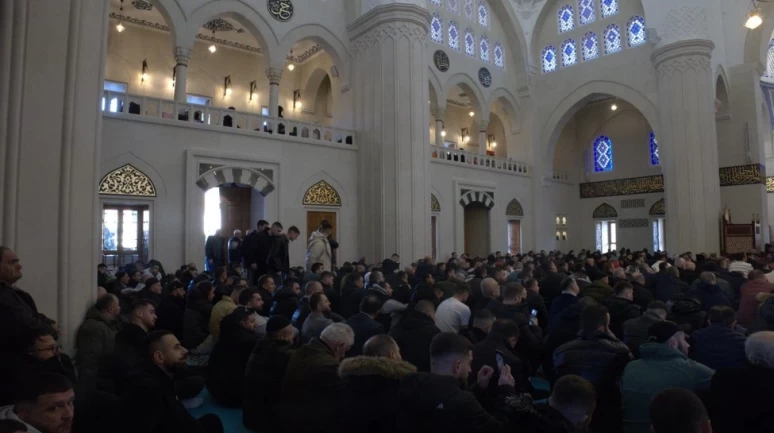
[(754, 19), (174, 77), (253, 90), (614, 107), (297, 99), (227, 86), (291, 66), (212, 47), (491, 139), (443, 129), (472, 113), (120, 26), (465, 135), (144, 70)]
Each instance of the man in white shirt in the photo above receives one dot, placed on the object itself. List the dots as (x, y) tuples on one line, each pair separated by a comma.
[(453, 315), (739, 264)]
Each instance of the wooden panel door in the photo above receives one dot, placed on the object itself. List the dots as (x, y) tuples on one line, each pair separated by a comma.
[(314, 218), (234, 211), (514, 236)]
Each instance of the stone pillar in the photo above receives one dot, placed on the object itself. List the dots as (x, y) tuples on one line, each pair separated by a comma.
[(688, 140), (275, 76), (439, 115), (50, 205), (482, 125), (389, 82), (182, 55)]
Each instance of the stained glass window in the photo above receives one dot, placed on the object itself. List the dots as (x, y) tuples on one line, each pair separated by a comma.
[(499, 55), (549, 59), (590, 46), (454, 6), (468, 9), (566, 19), (612, 39), (483, 14), (586, 12), (770, 60), (609, 8), (603, 154), (635, 31), (484, 49), (470, 43), (654, 158), (436, 2), (569, 53), (454, 36), (436, 29)]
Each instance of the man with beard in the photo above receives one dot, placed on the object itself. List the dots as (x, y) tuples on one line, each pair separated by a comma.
[(439, 401), (150, 404)]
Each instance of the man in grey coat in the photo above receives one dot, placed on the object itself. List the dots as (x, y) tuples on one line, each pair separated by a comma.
[(96, 338), (316, 322)]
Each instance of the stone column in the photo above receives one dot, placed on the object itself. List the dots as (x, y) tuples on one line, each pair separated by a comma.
[(275, 76), (439, 114), (50, 205), (182, 55), (688, 141), (482, 125), (390, 94)]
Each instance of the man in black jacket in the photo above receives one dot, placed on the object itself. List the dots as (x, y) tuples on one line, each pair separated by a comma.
[(213, 249), (172, 309), (256, 248), (497, 350), (286, 298), (513, 307), (364, 324), (414, 333), (550, 285), (18, 311), (278, 260), (266, 287), (599, 357), (569, 409), (127, 358), (482, 325), (150, 404), (621, 307), (439, 402)]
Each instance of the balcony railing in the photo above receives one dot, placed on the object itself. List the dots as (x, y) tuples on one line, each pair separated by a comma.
[(486, 162), (126, 105)]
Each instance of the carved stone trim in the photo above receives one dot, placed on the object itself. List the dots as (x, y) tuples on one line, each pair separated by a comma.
[(633, 223), (388, 21), (321, 194), (482, 197), (483, 125), (439, 114), (127, 180), (182, 56), (274, 75), (683, 55)]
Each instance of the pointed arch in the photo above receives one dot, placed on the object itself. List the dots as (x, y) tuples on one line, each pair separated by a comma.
[(129, 158), (605, 211), (514, 209), (333, 46), (127, 180), (469, 85), (658, 208), (510, 105), (321, 194), (309, 94)]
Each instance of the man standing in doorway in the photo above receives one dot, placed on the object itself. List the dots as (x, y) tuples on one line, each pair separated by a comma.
[(213, 249), (319, 250), (256, 248), (235, 250)]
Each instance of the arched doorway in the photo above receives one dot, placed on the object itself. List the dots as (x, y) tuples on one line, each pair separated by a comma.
[(476, 207)]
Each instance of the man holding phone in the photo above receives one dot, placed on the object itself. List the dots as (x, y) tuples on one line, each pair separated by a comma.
[(497, 349)]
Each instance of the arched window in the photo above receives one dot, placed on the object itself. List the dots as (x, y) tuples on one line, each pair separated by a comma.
[(499, 55), (635, 31), (770, 60), (549, 59), (586, 12), (483, 14), (612, 39), (590, 46), (436, 29), (454, 6), (603, 154), (569, 53), (484, 49), (454, 36), (470, 43), (468, 9), (566, 19), (654, 158), (609, 8)]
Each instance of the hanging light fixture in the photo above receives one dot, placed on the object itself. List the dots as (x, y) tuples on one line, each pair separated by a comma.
[(213, 48), (227, 86), (144, 70), (472, 114), (120, 26), (291, 66), (443, 129), (754, 19), (253, 90)]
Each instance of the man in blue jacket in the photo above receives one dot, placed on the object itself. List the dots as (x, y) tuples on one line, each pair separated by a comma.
[(721, 344)]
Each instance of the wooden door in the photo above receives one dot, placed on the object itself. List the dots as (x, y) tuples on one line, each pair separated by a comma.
[(514, 236), (434, 235), (234, 211), (477, 229), (314, 218)]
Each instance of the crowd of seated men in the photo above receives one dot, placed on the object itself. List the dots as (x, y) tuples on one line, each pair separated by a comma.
[(627, 341)]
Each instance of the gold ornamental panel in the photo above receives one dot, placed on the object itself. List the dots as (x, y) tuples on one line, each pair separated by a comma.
[(127, 180), (658, 208), (514, 209), (322, 194), (435, 205), (630, 186), (605, 211), (770, 184), (750, 174)]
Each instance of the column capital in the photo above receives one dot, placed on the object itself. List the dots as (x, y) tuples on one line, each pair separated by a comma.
[(439, 114), (682, 55), (182, 55), (274, 75), (388, 21), (483, 124)]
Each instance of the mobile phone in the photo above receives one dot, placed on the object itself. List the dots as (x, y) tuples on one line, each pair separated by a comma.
[(533, 313), (500, 362)]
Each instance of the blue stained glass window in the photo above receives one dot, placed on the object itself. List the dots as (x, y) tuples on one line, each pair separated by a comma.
[(454, 36), (468, 9), (454, 6), (499, 55), (770, 60), (635, 31), (436, 29), (603, 154), (612, 39), (590, 46), (483, 14), (566, 19), (586, 12), (484, 49), (549, 59), (436, 2), (470, 43), (654, 158), (569, 53), (609, 8)]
